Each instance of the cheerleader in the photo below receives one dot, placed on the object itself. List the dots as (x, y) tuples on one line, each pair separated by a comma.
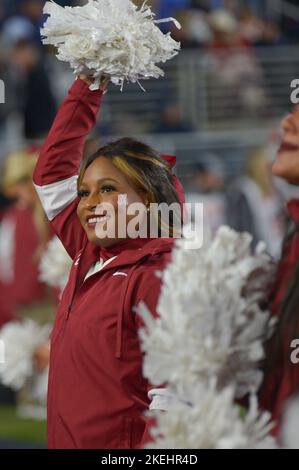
[(282, 375), (97, 394)]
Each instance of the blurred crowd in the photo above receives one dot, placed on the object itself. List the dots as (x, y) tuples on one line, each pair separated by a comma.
[(227, 31), (254, 202), (252, 21)]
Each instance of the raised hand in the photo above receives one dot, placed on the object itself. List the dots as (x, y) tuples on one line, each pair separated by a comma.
[(89, 80)]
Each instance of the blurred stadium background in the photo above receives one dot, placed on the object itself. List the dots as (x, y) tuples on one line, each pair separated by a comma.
[(218, 109)]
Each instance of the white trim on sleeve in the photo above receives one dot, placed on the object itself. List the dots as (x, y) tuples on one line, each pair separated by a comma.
[(57, 196)]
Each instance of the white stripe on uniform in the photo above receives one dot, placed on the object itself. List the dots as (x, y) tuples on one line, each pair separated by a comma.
[(57, 196)]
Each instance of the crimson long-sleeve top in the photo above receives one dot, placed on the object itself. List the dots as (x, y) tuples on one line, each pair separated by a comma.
[(283, 382)]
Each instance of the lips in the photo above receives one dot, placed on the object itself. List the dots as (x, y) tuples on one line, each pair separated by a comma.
[(287, 147), (93, 220)]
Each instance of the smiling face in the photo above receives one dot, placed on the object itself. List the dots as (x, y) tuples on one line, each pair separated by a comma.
[(286, 165), (103, 184)]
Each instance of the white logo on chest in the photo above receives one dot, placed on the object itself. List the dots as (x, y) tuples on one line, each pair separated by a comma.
[(77, 261)]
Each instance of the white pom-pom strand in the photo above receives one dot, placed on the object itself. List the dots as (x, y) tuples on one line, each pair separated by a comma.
[(110, 37), (55, 265), (20, 340)]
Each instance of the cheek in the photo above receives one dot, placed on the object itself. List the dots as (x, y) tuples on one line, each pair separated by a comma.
[(133, 197), (111, 204), (79, 209), (125, 200)]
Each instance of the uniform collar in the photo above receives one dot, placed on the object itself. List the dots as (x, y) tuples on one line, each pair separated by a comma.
[(126, 253), (131, 251), (128, 245)]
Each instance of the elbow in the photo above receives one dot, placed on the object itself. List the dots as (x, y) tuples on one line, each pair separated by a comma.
[(39, 172)]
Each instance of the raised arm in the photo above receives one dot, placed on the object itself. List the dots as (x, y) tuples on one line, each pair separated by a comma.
[(56, 173)]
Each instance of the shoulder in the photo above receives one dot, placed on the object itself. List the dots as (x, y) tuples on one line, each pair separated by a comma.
[(159, 254), (146, 281)]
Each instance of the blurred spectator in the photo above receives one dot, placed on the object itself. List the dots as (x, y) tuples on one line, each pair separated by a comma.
[(255, 206), (251, 27), (172, 121), (233, 65), (272, 35), (225, 31), (15, 29), (30, 11), (259, 31), (207, 188), (30, 91), (198, 28), (35, 94), (24, 234), (196, 31)]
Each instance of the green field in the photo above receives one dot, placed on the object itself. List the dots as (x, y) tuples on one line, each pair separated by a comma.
[(14, 428)]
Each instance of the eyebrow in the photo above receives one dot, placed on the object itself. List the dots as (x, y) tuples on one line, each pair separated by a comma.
[(100, 181)]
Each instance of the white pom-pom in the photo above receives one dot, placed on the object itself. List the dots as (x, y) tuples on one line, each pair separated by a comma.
[(210, 320), (20, 340), (109, 37), (55, 265), (211, 329)]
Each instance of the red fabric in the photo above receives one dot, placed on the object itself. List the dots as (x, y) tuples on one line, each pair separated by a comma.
[(7, 313), (239, 43), (289, 260), (27, 287), (22, 287), (171, 159), (284, 382), (97, 393)]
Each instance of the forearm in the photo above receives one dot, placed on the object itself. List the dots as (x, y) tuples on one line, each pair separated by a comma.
[(62, 152)]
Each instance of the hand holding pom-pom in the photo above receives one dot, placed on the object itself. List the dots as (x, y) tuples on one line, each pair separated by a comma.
[(90, 81)]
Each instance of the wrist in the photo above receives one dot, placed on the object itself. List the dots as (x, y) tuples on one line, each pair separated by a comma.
[(86, 79), (89, 80), (80, 91)]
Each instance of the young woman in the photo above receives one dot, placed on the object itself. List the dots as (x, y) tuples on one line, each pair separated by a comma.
[(282, 376), (97, 393), (254, 205), (24, 232)]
